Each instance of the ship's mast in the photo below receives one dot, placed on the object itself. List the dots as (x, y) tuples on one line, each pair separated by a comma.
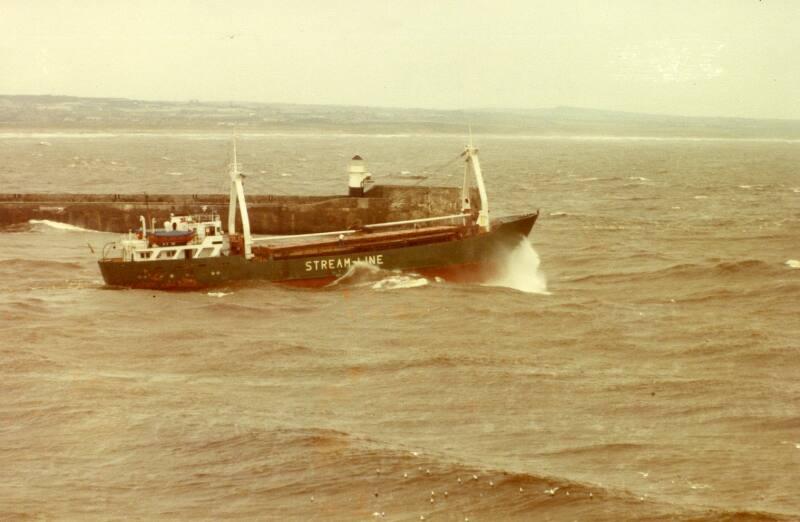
[(237, 194), (466, 203), (472, 161)]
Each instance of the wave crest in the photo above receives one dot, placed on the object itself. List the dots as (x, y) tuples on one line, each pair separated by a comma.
[(57, 225), (366, 275)]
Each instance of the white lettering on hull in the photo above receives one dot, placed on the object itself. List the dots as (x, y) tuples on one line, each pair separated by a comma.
[(335, 263)]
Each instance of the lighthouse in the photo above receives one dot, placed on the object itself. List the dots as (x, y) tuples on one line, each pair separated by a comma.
[(358, 176)]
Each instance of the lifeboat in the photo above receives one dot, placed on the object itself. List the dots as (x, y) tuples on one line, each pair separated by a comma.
[(170, 237)]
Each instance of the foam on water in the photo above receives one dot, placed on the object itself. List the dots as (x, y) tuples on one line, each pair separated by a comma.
[(400, 281), (218, 294), (371, 276), (358, 272), (58, 225), (520, 271), (793, 263)]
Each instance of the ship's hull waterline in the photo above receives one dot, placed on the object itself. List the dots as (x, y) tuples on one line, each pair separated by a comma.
[(470, 259)]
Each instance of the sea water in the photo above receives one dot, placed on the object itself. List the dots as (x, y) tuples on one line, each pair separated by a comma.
[(637, 360)]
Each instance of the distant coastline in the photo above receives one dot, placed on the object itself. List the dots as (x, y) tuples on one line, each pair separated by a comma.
[(66, 113)]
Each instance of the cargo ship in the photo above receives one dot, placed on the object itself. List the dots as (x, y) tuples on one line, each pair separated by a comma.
[(194, 252)]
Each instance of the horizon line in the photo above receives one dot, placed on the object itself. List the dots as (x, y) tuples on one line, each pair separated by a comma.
[(405, 108)]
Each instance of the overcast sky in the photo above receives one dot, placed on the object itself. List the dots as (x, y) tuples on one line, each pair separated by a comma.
[(697, 58)]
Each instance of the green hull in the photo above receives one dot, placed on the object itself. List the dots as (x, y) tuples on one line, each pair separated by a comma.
[(468, 259)]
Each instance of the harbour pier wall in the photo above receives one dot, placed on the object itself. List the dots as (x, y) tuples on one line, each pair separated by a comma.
[(269, 214)]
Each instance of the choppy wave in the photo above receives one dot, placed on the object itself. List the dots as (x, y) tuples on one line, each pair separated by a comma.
[(434, 362), (231, 309), (22, 360), (58, 225), (366, 275), (745, 265), (38, 265), (400, 281), (358, 478), (682, 271), (337, 405)]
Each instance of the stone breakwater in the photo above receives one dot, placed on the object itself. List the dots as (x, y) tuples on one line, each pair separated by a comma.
[(269, 214)]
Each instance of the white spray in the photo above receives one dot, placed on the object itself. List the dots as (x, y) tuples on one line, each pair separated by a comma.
[(368, 275), (519, 269)]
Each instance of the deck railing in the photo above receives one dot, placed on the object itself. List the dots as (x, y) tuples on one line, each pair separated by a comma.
[(462, 217)]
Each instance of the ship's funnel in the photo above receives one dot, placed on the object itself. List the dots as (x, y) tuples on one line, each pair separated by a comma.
[(358, 176)]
